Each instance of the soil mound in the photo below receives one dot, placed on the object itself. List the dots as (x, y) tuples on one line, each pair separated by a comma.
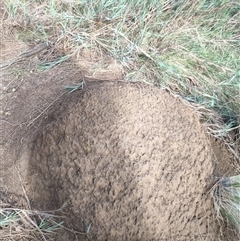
[(132, 160)]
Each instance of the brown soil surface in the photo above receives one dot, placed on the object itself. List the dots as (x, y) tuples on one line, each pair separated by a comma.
[(132, 160)]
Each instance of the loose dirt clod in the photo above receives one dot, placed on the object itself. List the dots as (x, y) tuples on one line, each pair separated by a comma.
[(132, 160)]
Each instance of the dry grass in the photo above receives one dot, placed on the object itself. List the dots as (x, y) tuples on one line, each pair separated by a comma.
[(227, 200), (26, 224), (20, 224)]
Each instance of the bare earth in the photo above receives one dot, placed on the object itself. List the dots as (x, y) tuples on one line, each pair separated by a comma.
[(132, 160)]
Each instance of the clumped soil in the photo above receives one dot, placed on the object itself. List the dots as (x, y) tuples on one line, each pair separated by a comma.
[(132, 160)]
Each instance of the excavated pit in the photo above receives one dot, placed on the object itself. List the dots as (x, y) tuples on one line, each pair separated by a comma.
[(132, 160)]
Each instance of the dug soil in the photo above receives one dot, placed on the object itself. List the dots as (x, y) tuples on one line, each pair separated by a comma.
[(132, 161)]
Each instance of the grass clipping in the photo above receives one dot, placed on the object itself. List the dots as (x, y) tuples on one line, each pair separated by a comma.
[(227, 200)]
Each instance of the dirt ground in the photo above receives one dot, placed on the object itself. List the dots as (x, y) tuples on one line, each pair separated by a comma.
[(132, 160)]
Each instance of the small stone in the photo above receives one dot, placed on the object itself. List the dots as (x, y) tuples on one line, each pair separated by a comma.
[(8, 113)]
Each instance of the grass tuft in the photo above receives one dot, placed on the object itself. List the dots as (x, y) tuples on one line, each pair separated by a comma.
[(21, 224), (227, 200)]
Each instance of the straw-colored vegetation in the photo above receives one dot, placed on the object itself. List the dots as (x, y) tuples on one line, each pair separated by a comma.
[(20, 224), (227, 200), (190, 47)]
